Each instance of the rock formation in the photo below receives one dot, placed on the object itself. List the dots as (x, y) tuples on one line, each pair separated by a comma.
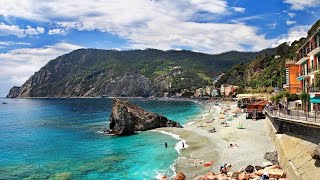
[(14, 92), (315, 152), (126, 118), (272, 157), (180, 176)]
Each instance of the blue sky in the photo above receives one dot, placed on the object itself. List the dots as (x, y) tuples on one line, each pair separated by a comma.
[(32, 32)]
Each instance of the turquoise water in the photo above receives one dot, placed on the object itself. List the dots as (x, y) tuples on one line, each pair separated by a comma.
[(59, 139)]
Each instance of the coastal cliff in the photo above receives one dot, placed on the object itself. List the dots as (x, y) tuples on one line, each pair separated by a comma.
[(14, 92), (126, 118), (95, 72)]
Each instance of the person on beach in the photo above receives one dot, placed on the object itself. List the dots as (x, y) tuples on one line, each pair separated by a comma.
[(182, 144), (265, 175), (223, 169), (166, 144)]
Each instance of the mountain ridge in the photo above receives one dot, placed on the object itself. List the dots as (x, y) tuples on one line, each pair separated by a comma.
[(98, 72)]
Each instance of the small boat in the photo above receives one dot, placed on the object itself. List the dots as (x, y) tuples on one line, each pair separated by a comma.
[(4, 103)]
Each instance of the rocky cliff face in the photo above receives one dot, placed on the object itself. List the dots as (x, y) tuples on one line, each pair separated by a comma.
[(126, 118), (14, 92)]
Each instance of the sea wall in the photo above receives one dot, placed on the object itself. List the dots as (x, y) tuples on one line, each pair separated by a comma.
[(293, 143)]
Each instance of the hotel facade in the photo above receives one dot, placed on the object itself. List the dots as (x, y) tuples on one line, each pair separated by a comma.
[(309, 65)]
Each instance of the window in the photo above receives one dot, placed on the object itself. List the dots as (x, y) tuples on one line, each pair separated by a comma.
[(318, 40)]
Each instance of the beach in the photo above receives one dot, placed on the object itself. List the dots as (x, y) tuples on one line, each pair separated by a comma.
[(213, 148)]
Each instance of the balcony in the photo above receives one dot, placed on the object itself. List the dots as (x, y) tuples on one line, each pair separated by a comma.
[(302, 58), (314, 51), (314, 69), (302, 75)]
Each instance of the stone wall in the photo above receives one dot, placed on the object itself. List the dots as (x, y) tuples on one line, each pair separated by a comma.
[(293, 148)]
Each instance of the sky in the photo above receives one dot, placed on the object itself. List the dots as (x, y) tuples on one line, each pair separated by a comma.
[(33, 32)]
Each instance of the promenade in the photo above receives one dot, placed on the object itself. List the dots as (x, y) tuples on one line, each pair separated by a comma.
[(295, 116)]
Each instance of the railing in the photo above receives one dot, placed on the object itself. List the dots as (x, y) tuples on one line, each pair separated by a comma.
[(314, 89), (294, 115), (303, 73), (314, 68)]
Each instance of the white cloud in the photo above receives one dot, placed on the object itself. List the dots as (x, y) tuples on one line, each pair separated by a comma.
[(19, 64), (302, 4), (248, 18), (162, 24), (58, 31), (292, 15), (290, 22), (295, 33), (239, 9), (15, 30), (11, 43)]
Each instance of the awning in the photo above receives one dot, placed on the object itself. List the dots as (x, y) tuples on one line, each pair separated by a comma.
[(315, 100), (300, 78)]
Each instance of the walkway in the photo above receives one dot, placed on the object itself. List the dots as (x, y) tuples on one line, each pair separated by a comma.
[(296, 116)]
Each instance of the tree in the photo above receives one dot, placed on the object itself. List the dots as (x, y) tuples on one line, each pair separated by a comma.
[(270, 89), (286, 95), (272, 99), (317, 79), (305, 97)]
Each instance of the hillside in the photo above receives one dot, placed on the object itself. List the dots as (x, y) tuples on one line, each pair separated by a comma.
[(94, 72), (265, 70)]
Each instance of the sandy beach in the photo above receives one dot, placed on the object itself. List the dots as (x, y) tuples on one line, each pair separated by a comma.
[(252, 142)]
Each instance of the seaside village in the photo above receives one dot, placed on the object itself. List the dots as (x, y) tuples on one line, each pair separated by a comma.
[(292, 120)]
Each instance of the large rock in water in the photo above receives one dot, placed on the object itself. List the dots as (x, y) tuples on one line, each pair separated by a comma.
[(126, 118)]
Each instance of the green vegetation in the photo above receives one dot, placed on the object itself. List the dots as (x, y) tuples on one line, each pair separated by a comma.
[(93, 72), (266, 70), (305, 98)]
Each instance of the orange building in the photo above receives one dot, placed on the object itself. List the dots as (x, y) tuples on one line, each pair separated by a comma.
[(292, 73)]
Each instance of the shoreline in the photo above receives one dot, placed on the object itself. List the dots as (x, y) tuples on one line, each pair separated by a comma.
[(252, 142)]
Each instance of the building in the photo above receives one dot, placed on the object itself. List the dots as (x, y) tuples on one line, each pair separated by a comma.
[(222, 90), (309, 65), (228, 90), (208, 90), (215, 92), (292, 72)]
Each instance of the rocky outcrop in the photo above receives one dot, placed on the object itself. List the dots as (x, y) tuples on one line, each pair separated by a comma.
[(14, 92), (126, 118), (180, 176), (315, 152), (272, 157), (270, 172)]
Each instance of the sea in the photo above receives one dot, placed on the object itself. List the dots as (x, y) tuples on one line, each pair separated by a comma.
[(62, 139)]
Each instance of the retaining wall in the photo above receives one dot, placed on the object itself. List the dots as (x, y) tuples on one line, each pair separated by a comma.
[(293, 143)]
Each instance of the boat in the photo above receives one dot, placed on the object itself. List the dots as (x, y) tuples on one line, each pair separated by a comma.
[(4, 103)]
